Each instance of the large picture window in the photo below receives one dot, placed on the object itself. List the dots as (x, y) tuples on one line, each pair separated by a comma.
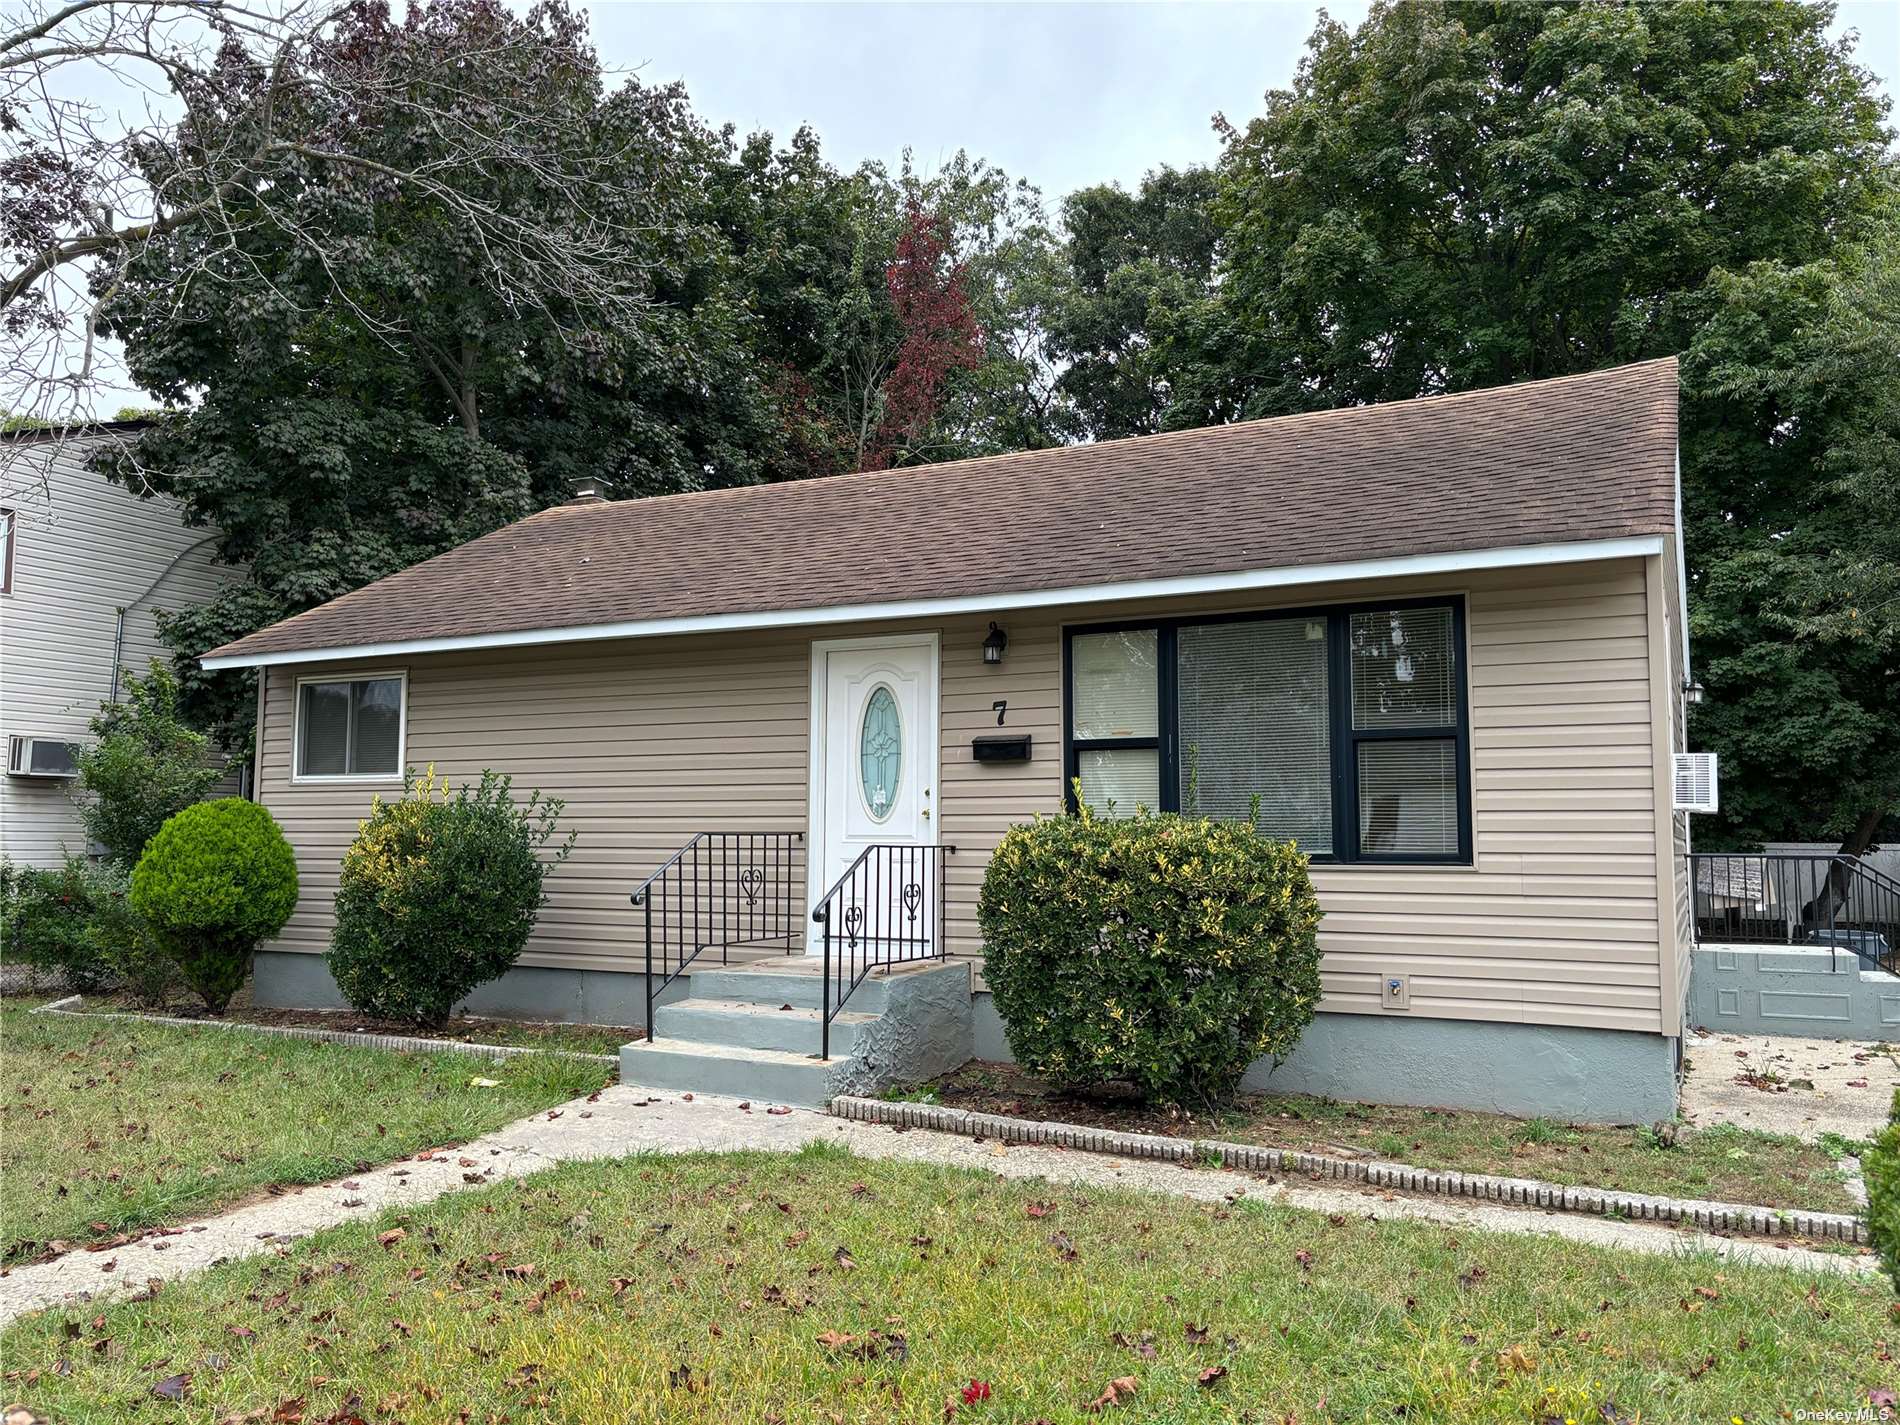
[(1341, 729), (350, 728)]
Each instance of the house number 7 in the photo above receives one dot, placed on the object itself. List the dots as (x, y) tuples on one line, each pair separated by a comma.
[(999, 707)]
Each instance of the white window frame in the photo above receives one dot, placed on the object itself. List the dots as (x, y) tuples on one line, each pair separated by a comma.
[(351, 675)]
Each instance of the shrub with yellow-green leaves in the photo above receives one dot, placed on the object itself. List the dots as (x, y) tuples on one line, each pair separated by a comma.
[(439, 894), (1168, 951)]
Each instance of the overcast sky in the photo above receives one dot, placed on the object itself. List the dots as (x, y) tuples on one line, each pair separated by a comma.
[(1064, 95)]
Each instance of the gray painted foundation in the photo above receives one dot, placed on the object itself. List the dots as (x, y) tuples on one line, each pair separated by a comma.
[(1802, 990), (282, 980), (1577, 1075)]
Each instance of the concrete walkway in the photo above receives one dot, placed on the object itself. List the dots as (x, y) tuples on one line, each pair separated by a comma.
[(1780, 1084), (628, 1120)]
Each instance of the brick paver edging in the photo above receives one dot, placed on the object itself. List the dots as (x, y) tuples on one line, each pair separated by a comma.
[(324, 1036), (1524, 1192)]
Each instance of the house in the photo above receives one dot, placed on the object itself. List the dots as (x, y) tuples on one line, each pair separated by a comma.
[(1441, 640), (86, 564)]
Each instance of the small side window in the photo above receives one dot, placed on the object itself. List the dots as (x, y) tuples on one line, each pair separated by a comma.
[(6, 551), (350, 727)]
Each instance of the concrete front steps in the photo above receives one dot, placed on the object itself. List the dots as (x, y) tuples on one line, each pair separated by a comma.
[(754, 1032)]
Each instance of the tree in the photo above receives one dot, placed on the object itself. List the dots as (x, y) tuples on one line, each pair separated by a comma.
[(1464, 194), (1796, 613), (1130, 260), (930, 297), (367, 388), (143, 766), (261, 115), (813, 252)]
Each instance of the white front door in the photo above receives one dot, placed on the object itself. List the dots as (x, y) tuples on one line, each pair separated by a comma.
[(874, 781)]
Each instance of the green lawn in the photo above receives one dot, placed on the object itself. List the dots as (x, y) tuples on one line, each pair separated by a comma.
[(1724, 1163), (823, 1288), (108, 1127)]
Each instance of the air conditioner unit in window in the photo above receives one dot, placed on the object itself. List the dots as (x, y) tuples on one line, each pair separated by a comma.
[(1696, 782), (29, 755)]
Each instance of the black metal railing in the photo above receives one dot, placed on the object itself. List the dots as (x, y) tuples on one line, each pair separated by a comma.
[(886, 909), (1786, 898), (723, 890)]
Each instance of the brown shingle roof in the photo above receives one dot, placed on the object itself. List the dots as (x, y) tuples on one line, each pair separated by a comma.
[(1577, 458)]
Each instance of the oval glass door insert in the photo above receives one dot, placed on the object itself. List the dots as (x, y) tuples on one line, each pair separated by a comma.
[(880, 752)]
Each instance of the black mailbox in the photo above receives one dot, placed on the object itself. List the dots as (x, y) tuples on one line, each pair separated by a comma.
[(1004, 747)]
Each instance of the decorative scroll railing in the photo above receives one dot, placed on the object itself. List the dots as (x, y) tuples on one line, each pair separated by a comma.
[(886, 909), (723, 890)]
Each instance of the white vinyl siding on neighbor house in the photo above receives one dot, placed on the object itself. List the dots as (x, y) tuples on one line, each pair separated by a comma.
[(1555, 922), (83, 550)]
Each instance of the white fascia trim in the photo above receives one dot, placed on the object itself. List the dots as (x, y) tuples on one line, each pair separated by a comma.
[(1237, 581)]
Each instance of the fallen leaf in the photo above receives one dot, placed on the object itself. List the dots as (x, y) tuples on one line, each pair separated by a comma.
[(1064, 1245), (835, 1340), (1517, 1359), (173, 1387), (976, 1391), (1119, 1391), (478, 1084), (392, 1236), (1211, 1377), (1195, 1335)]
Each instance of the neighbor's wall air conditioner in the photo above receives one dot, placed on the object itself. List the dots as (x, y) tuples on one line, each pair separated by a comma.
[(30, 756), (1697, 786)]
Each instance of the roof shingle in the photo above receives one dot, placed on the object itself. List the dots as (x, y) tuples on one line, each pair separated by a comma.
[(1575, 458)]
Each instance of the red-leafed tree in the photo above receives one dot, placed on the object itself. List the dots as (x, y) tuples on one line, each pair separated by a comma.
[(930, 294)]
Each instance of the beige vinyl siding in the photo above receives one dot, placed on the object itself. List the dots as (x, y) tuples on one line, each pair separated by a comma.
[(84, 548), (650, 741)]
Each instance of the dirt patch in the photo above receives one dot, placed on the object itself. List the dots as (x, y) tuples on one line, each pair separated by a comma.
[(464, 1029), (1722, 1162)]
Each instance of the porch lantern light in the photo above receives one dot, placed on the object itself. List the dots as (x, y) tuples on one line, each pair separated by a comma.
[(1691, 692), (994, 645)]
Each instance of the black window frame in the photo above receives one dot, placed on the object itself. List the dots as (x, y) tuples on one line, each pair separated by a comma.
[(1343, 740)]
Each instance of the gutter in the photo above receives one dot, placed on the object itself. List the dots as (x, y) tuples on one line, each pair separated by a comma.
[(1235, 581)]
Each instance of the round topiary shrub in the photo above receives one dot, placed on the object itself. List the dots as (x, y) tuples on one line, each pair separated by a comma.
[(1164, 950), (217, 878), (439, 895), (1880, 1166)]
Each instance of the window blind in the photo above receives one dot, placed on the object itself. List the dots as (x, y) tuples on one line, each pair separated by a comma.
[(1253, 707)]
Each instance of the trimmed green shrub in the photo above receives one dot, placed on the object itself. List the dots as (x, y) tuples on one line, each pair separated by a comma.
[(144, 766), (48, 917), (1165, 950), (1880, 1168), (439, 894), (216, 879)]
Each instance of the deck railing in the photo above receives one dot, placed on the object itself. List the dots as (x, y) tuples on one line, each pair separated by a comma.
[(723, 890), (1783, 898), (885, 910)]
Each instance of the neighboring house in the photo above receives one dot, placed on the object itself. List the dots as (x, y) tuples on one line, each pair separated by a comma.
[(1442, 640), (87, 564)]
